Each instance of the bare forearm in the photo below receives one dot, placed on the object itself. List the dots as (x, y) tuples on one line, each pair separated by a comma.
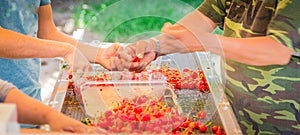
[(90, 52), (47, 30), (29, 110), (16, 45), (197, 22), (188, 36), (56, 35), (259, 51)]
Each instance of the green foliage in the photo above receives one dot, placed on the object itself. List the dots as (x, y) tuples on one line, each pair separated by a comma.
[(130, 20), (194, 3)]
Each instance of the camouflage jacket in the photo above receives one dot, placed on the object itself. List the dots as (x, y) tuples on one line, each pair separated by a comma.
[(265, 99)]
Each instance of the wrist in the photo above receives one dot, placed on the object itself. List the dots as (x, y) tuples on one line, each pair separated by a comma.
[(89, 51), (98, 56), (156, 47), (50, 116), (160, 45), (68, 50), (167, 44)]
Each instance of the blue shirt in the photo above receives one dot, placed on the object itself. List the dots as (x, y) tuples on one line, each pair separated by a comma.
[(21, 16)]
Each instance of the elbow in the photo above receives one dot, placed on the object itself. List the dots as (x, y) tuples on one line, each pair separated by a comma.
[(277, 59), (283, 56), (280, 54), (277, 54), (282, 63), (46, 33)]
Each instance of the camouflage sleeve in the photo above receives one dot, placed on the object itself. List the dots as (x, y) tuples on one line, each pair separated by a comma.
[(215, 10), (285, 25)]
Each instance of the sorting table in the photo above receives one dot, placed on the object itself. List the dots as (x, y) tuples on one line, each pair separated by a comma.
[(63, 99)]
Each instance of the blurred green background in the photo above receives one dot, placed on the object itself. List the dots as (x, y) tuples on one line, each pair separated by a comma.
[(129, 20)]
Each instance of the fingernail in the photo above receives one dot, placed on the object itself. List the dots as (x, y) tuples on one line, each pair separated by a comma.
[(140, 55), (69, 129), (143, 64)]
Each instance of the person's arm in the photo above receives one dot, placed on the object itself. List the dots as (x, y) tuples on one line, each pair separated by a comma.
[(193, 33), (174, 39), (16, 45), (183, 36), (31, 111), (258, 51), (47, 30)]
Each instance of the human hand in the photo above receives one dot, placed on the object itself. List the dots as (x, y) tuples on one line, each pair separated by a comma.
[(135, 56), (61, 123), (105, 56), (174, 39), (77, 62), (183, 40)]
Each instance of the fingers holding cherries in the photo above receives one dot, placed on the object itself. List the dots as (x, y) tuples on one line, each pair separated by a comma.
[(134, 57)]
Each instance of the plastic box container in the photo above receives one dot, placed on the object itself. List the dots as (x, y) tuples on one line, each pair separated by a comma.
[(98, 92)]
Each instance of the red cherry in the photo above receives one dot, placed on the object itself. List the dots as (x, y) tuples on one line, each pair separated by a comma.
[(71, 84), (197, 124), (202, 128), (108, 113), (202, 88), (178, 85), (201, 114), (185, 85), (70, 76), (186, 70), (214, 129), (136, 59), (146, 117), (194, 75), (220, 132), (185, 124), (138, 110), (191, 86)]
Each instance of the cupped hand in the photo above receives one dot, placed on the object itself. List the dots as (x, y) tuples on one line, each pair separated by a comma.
[(135, 56), (105, 55)]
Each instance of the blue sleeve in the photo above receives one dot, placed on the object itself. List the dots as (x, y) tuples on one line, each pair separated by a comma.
[(44, 2), (5, 87)]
